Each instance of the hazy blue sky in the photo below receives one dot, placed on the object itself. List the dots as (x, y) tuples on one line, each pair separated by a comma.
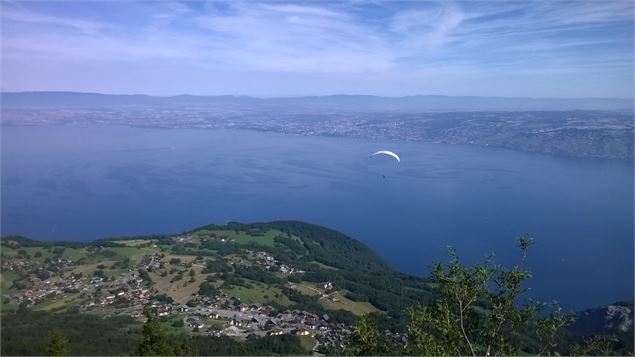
[(506, 48)]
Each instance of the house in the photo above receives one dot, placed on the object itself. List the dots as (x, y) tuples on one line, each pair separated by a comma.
[(300, 332), (162, 312), (270, 324), (214, 331), (194, 322), (287, 317), (328, 285), (231, 331), (276, 332), (267, 310), (234, 322)]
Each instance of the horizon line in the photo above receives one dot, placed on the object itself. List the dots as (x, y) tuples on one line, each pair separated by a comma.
[(307, 95)]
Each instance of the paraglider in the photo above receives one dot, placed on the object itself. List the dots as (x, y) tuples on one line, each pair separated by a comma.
[(387, 152)]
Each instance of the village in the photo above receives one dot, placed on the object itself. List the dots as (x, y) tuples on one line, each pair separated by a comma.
[(131, 293)]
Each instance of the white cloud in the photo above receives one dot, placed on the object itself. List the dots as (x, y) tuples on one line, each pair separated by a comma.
[(21, 15), (293, 38), (357, 40), (427, 29)]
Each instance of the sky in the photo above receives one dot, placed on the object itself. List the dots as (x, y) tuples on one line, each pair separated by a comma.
[(547, 48)]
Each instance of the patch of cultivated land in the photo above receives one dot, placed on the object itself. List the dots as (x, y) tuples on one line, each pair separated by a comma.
[(307, 342), (181, 290), (324, 265), (258, 293), (335, 300), (134, 242), (184, 259), (359, 308), (307, 289), (135, 254), (89, 269), (220, 324), (6, 282), (240, 237), (42, 253), (62, 302)]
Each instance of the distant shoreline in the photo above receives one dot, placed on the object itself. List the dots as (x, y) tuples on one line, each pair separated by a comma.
[(597, 135)]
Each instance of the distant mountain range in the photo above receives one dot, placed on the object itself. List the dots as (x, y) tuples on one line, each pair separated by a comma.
[(348, 103)]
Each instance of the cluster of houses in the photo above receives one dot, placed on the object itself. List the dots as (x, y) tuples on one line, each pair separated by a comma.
[(152, 261), (18, 264), (245, 321), (267, 261), (40, 289), (126, 288), (98, 290), (40, 286), (216, 316)]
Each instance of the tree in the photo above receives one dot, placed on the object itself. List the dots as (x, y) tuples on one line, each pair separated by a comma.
[(183, 345), (366, 340), (477, 312), (58, 344), (154, 341), (596, 346)]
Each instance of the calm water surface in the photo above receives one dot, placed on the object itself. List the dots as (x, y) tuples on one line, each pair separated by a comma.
[(83, 183)]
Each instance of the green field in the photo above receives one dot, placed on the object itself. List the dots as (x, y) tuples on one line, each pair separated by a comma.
[(13, 252), (167, 322), (69, 253), (358, 308), (221, 324), (74, 254), (58, 304), (257, 293), (45, 253), (7, 307), (89, 269), (308, 289), (324, 265), (135, 254), (307, 342), (6, 280), (242, 237)]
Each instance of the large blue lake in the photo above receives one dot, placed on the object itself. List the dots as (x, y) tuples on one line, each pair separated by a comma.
[(82, 183)]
